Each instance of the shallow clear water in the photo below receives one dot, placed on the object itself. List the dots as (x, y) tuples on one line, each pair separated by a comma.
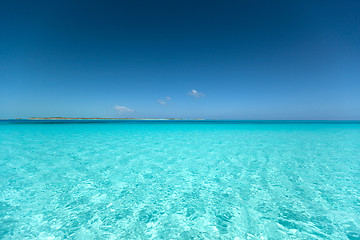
[(146, 180)]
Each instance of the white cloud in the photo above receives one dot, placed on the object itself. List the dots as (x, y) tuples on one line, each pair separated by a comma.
[(122, 109), (164, 101), (195, 93)]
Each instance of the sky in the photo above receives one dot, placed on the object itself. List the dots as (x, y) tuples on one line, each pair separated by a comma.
[(180, 59)]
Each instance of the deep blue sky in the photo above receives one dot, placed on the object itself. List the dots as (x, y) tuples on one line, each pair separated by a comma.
[(249, 59)]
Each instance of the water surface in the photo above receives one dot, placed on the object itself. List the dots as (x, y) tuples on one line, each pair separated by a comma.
[(180, 180)]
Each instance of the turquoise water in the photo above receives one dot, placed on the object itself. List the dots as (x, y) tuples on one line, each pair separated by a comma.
[(151, 180)]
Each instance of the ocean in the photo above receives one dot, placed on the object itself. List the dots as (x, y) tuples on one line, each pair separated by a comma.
[(179, 180)]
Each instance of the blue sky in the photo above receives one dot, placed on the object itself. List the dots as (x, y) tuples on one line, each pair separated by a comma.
[(245, 59)]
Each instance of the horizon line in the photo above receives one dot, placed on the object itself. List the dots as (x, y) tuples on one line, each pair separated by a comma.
[(168, 119)]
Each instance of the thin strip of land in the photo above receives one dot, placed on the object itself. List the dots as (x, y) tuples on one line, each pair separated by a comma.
[(66, 118)]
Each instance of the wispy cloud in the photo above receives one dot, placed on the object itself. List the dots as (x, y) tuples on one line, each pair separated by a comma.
[(195, 93), (164, 101), (123, 109)]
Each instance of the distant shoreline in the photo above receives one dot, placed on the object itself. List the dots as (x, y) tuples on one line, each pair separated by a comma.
[(66, 118)]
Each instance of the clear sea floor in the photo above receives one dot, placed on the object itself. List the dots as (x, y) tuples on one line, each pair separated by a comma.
[(180, 180)]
